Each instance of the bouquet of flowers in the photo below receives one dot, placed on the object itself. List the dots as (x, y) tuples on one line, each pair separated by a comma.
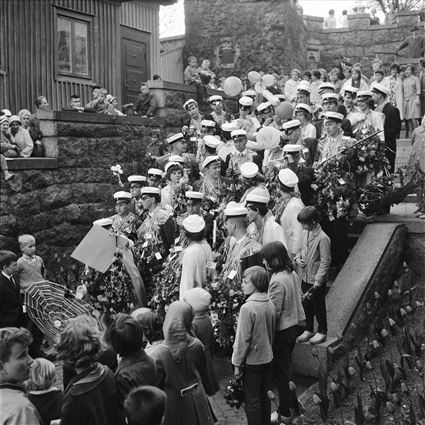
[(234, 393)]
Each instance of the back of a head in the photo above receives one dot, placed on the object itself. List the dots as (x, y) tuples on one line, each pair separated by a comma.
[(126, 335), (145, 405)]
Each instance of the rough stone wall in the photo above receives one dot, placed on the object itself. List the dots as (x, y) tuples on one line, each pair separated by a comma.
[(59, 205), (265, 35)]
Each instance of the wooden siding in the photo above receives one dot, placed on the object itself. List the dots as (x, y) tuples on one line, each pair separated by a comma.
[(144, 17), (28, 49), (172, 65)]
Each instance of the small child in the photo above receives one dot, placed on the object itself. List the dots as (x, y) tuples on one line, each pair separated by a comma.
[(145, 405), (15, 364), (199, 299), (46, 398), (30, 266), (135, 367), (315, 259)]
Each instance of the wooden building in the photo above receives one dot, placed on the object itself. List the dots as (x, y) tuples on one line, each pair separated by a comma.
[(57, 48)]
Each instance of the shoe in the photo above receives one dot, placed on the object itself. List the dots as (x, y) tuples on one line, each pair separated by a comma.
[(305, 336), (278, 419), (274, 418), (317, 339)]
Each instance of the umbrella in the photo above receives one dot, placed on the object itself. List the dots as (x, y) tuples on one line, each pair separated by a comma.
[(50, 305)]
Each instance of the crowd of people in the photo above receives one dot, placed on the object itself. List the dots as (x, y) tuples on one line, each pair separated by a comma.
[(224, 245)]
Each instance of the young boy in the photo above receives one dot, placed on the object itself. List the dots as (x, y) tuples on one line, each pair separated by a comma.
[(315, 259), (145, 405), (135, 367), (15, 363)]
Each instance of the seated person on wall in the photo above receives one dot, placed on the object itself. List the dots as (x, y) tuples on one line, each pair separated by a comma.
[(9, 148), (112, 106), (192, 77), (99, 104), (146, 104), (75, 103), (22, 137)]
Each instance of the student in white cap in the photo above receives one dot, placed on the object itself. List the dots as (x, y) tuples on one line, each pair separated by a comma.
[(176, 186), (330, 103), (303, 93), (392, 122), (262, 225), (367, 117), (208, 127), (247, 120), (250, 178), (242, 154), (136, 183), (265, 115), (208, 146), (269, 139), (196, 256), (124, 222), (195, 118), (159, 223), (154, 177), (303, 113), (240, 253), (349, 95), (228, 146), (292, 131), (178, 145), (218, 114), (286, 210)]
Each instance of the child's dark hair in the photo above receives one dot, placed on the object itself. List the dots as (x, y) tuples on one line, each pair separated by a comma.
[(145, 405), (308, 215), (7, 258), (126, 335), (258, 276), (260, 208), (277, 257), (316, 73)]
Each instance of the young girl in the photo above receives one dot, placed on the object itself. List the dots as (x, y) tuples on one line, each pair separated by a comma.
[(30, 266), (46, 398), (285, 294), (315, 259), (15, 364), (253, 345)]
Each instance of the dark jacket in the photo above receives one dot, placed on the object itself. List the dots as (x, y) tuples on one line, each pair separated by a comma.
[(146, 104), (133, 371), (91, 398), (392, 123), (10, 303), (48, 404), (345, 125)]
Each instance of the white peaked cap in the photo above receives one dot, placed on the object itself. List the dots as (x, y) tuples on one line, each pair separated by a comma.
[(103, 222), (150, 190), (211, 141), (303, 107), (136, 179), (155, 172), (258, 195), (175, 138), (364, 93), (249, 170), (176, 158), (238, 132), (249, 93), (233, 209), (291, 124), (209, 160), (208, 123), (292, 148), (194, 223), (246, 101), (189, 102), (122, 195), (171, 163), (287, 177), (334, 115), (325, 86), (305, 86), (263, 106), (215, 97), (380, 88), (191, 194), (330, 96), (229, 126)]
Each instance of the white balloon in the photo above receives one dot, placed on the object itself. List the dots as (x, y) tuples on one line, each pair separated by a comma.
[(268, 79)]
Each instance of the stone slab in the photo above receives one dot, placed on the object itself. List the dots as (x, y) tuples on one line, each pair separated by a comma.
[(31, 163), (347, 293)]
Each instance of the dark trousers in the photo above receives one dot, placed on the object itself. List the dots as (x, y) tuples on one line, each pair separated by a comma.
[(390, 152), (337, 230), (315, 306), (257, 381), (283, 344)]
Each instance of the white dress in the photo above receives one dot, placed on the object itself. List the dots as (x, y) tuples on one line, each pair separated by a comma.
[(291, 226)]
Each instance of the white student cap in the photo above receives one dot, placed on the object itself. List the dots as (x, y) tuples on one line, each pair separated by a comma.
[(194, 223), (303, 107), (325, 86), (177, 158), (136, 179), (263, 106), (330, 97), (170, 164), (281, 97), (190, 102), (364, 93), (233, 209), (214, 98), (292, 148), (290, 124), (249, 170), (335, 116), (351, 89), (258, 195), (209, 160), (287, 177), (211, 141), (150, 190), (238, 133), (155, 172), (103, 222), (175, 138), (208, 123), (304, 86), (228, 127), (268, 137), (122, 196), (6, 112), (191, 194), (380, 89), (249, 93), (246, 101)]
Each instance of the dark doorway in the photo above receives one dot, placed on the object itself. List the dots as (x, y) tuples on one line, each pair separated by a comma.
[(135, 51)]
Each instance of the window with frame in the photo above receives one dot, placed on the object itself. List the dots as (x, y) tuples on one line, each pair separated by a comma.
[(73, 41)]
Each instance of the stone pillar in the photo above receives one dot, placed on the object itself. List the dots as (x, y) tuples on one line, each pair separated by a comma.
[(313, 23), (48, 128), (358, 21)]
